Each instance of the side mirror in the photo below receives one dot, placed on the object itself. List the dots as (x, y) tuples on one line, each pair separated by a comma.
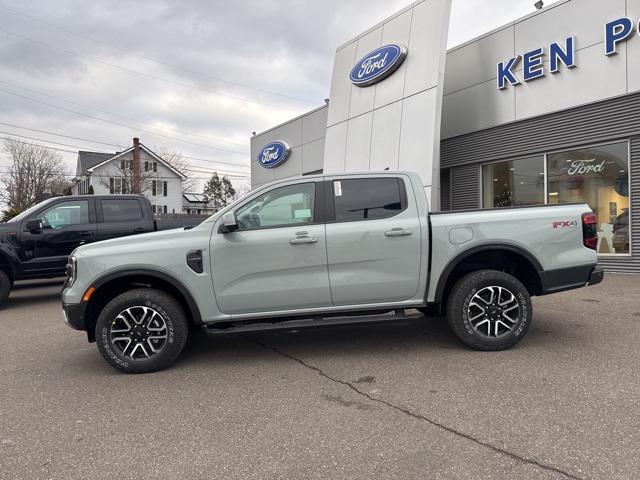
[(34, 225), (229, 223)]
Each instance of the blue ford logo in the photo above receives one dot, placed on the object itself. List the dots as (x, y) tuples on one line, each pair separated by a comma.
[(273, 154), (378, 65)]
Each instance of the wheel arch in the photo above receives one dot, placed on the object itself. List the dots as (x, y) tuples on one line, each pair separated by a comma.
[(114, 283), (506, 257), (7, 264)]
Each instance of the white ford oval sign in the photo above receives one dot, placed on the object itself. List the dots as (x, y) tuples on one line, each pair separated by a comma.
[(273, 154), (378, 65)]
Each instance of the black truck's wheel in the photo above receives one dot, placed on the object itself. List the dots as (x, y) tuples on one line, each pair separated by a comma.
[(489, 310), (5, 287), (142, 330)]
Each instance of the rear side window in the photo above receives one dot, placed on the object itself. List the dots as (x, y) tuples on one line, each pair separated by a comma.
[(367, 198), (124, 210)]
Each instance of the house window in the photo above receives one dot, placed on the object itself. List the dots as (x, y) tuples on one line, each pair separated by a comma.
[(117, 186), (155, 167), (164, 209), (598, 176), (164, 189), (513, 183), (146, 166), (153, 188)]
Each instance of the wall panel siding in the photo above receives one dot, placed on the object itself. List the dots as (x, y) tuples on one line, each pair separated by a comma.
[(614, 119), (445, 190), (464, 187)]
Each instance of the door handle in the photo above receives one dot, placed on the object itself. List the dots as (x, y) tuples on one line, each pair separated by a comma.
[(85, 233), (139, 229), (299, 240), (397, 232)]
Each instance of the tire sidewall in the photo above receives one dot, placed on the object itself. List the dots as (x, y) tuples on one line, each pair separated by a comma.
[(173, 316), (465, 291), (5, 286)]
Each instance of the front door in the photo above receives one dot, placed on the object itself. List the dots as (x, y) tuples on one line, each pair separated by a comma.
[(373, 240), (66, 225), (277, 259)]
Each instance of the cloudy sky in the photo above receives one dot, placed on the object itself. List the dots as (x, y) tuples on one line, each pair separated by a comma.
[(194, 76)]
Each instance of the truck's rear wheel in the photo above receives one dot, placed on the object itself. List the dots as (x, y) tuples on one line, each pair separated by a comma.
[(5, 287), (489, 310), (142, 330)]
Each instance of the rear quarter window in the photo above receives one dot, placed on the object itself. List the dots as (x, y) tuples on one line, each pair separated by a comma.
[(368, 198), (123, 210)]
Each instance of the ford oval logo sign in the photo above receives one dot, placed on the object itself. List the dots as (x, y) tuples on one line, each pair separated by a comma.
[(273, 154), (378, 65)]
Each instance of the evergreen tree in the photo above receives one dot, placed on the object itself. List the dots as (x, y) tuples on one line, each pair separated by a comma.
[(219, 191)]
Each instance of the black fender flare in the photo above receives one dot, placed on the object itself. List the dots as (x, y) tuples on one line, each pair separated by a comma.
[(11, 259), (194, 310), (463, 255)]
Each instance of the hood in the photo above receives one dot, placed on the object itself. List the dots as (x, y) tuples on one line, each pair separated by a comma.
[(6, 228), (130, 243)]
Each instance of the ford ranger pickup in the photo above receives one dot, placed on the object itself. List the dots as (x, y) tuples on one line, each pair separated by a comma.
[(325, 250)]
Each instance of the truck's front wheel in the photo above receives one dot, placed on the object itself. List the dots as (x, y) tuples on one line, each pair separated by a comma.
[(5, 287), (142, 330), (489, 310)]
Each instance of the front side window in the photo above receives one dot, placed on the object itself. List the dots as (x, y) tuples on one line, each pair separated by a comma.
[(367, 198), (66, 213), (513, 183), (598, 176), (121, 210), (283, 206)]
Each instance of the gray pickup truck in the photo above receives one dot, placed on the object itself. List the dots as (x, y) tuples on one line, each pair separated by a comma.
[(326, 250)]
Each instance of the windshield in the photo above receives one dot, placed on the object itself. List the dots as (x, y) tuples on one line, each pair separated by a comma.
[(28, 212)]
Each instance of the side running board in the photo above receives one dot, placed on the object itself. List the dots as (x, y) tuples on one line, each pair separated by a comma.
[(314, 322)]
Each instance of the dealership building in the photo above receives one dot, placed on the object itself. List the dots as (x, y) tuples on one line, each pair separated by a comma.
[(543, 110)]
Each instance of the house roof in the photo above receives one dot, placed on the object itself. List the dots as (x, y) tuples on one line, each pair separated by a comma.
[(99, 159), (86, 160)]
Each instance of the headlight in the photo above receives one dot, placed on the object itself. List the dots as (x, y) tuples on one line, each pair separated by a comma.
[(72, 268)]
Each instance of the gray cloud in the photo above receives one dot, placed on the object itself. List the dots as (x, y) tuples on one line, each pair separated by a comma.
[(284, 46)]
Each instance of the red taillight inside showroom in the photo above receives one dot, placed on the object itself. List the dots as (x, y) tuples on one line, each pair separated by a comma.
[(589, 230)]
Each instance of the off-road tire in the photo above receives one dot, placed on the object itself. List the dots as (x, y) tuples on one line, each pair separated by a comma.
[(458, 308), (171, 312), (5, 287)]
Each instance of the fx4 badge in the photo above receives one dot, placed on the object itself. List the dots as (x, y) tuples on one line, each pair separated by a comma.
[(564, 224)]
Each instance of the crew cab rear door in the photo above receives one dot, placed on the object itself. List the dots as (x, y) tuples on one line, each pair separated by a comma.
[(119, 217), (277, 258), (373, 239)]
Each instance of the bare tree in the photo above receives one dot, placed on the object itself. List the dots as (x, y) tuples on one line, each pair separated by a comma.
[(36, 173), (176, 160), (241, 190)]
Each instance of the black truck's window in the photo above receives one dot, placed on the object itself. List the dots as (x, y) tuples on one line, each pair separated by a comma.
[(367, 198), (122, 210), (72, 212)]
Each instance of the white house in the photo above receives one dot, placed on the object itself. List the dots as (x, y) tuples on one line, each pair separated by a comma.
[(112, 173)]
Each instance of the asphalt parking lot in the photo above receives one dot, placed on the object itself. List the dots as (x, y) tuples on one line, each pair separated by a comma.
[(399, 400)]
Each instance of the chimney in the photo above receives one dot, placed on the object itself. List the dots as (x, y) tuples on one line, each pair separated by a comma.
[(136, 187)]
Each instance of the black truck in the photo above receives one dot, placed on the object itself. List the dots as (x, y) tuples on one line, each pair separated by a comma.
[(37, 242)]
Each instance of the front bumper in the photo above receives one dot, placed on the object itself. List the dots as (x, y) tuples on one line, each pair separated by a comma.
[(74, 314)]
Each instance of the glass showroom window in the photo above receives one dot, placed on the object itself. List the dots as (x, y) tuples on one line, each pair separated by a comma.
[(513, 182), (598, 176)]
